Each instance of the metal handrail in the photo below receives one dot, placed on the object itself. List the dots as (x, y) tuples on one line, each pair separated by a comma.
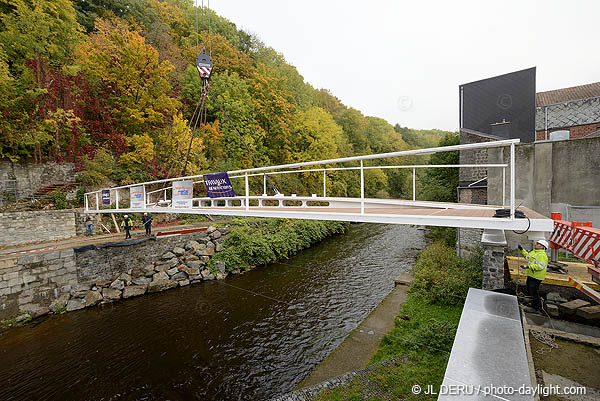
[(264, 171)]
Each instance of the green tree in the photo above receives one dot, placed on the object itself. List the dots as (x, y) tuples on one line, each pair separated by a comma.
[(38, 29), (439, 184)]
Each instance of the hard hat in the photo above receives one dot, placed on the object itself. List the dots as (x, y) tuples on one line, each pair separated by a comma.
[(543, 242), (125, 216)]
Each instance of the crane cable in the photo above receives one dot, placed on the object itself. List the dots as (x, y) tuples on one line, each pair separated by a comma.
[(200, 114)]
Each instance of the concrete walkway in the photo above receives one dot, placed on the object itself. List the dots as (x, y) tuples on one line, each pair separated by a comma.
[(97, 239), (359, 347)]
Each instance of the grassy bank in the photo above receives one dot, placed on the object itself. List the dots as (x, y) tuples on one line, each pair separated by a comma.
[(259, 242), (419, 344)]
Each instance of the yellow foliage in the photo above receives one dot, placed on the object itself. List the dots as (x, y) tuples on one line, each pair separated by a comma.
[(137, 84), (172, 145), (142, 153)]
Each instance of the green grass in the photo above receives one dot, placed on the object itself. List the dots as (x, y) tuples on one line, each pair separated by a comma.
[(419, 345)]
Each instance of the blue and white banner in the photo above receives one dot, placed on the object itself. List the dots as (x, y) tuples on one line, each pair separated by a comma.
[(218, 185), (136, 197), (183, 192), (106, 196)]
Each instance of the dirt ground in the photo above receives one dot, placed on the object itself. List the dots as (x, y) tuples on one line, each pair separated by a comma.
[(571, 364)]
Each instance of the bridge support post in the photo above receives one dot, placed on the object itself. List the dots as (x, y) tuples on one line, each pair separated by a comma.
[(414, 185), (117, 199), (512, 180), (493, 242), (247, 191), (264, 185), (324, 184), (362, 188), (97, 202)]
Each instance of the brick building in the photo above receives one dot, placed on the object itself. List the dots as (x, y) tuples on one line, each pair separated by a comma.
[(568, 113)]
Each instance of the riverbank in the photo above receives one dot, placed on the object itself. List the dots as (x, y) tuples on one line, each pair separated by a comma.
[(416, 348), (362, 343), (70, 279), (249, 337)]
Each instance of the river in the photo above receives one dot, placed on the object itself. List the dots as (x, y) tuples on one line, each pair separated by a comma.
[(249, 337)]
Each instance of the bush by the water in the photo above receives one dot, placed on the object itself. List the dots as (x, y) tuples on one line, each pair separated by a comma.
[(443, 277), (258, 242)]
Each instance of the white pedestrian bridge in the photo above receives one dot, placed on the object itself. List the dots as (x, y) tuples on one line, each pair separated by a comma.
[(158, 196)]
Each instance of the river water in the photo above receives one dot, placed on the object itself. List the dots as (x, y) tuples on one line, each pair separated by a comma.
[(250, 337)]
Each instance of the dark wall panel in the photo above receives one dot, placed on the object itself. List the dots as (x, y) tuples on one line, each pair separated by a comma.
[(509, 97)]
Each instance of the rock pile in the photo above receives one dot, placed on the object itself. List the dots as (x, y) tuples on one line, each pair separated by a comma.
[(178, 267)]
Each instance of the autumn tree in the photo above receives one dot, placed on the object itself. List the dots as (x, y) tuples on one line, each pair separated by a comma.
[(129, 76)]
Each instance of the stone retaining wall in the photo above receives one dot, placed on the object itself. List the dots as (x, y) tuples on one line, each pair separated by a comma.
[(30, 282), (32, 176), (73, 279), (35, 226)]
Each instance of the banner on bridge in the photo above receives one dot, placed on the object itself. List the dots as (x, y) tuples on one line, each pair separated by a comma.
[(183, 192), (106, 196), (218, 185), (136, 197)]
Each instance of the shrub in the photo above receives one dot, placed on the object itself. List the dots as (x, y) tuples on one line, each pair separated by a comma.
[(259, 242), (441, 276), (435, 335), (80, 196), (59, 198), (445, 234)]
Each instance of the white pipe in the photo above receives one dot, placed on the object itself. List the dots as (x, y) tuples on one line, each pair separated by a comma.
[(494, 144), (362, 189), (503, 186), (512, 180), (87, 206), (117, 198), (97, 202), (414, 185), (359, 158), (265, 184), (324, 183), (247, 192)]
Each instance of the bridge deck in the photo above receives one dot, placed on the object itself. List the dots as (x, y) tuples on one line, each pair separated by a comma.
[(349, 209)]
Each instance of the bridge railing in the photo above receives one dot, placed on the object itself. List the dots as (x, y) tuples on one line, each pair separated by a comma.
[(294, 168)]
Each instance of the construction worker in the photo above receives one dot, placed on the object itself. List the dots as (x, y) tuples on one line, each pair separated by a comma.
[(537, 265), (127, 224), (147, 221)]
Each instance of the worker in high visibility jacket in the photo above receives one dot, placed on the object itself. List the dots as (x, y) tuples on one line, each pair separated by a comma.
[(127, 224), (537, 265)]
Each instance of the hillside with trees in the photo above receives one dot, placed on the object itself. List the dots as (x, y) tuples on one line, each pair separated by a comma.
[(111, 86)]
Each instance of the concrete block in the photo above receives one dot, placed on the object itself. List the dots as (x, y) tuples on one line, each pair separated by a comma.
[(405, 278), (570, 308), (65, 253), (52, 255), (589, 312)]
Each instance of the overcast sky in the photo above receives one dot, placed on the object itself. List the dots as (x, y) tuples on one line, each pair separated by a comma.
[(403, 60)]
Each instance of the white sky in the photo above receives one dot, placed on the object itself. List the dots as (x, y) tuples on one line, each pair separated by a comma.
[(403, 60)]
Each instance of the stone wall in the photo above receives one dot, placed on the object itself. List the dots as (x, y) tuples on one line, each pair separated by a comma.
[(72, 279), (18, 228), (32, 176), (30, 282), (493, 267), (468, 239), (477, 156)]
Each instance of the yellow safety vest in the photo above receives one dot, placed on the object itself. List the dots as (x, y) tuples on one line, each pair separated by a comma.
[(538, 263)]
